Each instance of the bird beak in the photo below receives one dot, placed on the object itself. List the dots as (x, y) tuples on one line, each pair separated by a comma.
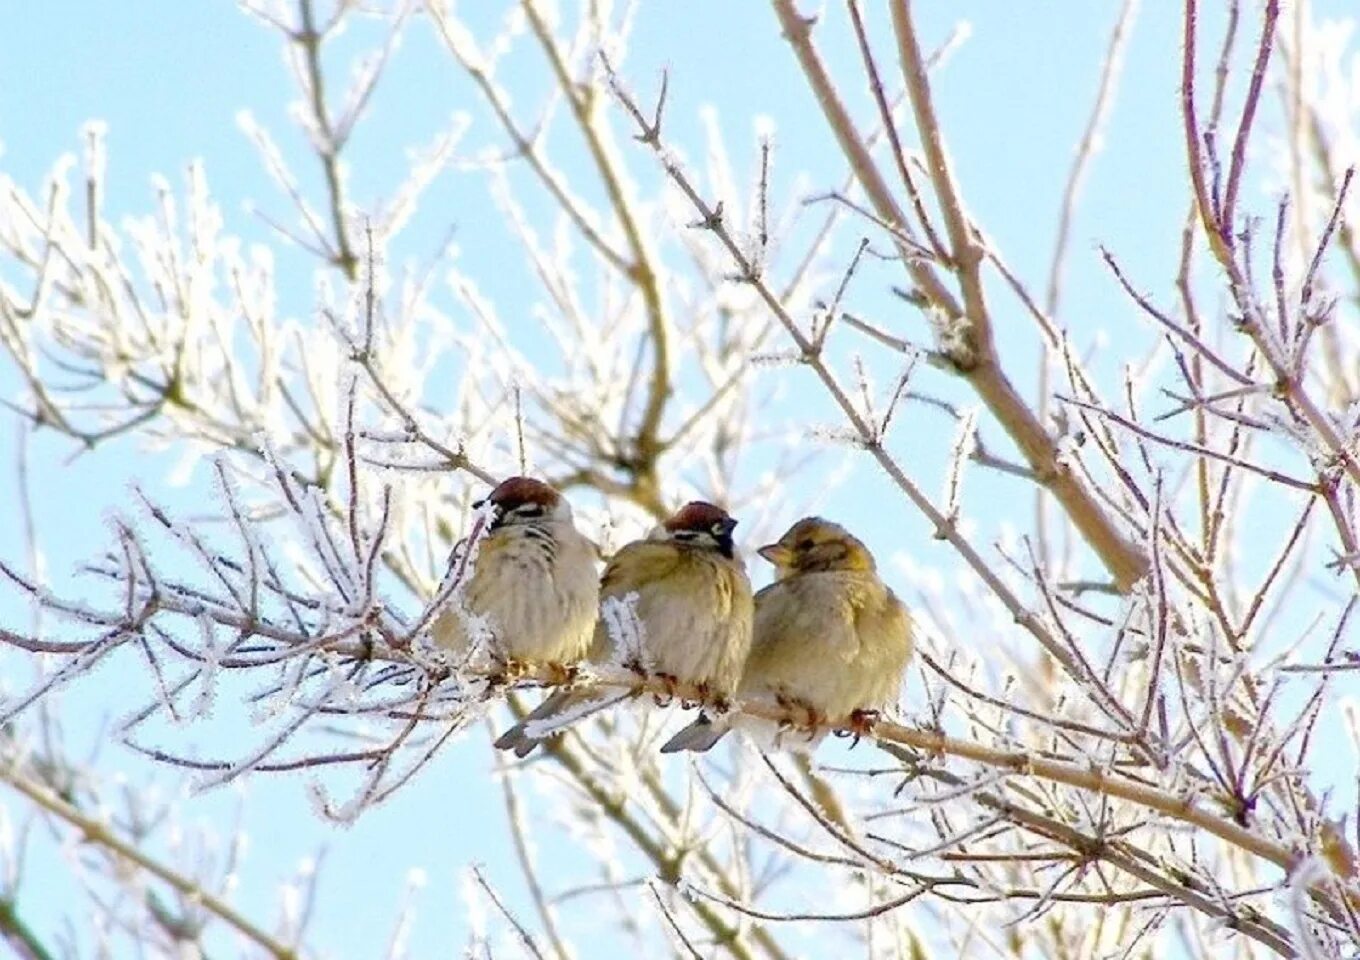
[(776, 553)]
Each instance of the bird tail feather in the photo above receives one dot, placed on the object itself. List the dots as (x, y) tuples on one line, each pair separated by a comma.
[(557, 712), (699, 736)]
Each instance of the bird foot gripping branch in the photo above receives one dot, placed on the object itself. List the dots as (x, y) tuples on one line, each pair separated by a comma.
[(862, 723), (671, 683)]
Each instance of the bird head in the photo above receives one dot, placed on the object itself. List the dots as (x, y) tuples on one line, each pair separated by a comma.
[(524, 499), (701, 524), (812, 545)]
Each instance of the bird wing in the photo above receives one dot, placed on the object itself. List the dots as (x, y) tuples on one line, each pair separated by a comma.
[(637, 564), (477, 596), (488, 571), (885, 616), (634, 566), (886, 629)]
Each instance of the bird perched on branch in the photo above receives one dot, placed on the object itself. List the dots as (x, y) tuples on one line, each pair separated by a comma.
[(676, 606), (532, 584), (830, 640)]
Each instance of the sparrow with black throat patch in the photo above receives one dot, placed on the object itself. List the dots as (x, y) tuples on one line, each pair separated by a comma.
[(533, 582), (687, 598)]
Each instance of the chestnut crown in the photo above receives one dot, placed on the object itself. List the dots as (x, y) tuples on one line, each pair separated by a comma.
[(703, 524), (523, 498)]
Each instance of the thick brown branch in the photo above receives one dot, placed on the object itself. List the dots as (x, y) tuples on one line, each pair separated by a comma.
[(978, 363)]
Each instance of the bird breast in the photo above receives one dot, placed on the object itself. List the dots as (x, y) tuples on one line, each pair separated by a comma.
[(835, 640), (697, 620), (536, 585)]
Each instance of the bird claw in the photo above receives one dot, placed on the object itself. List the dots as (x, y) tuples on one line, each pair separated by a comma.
[(701, 691), (861, 724), (501, 672), (811, 718), (561, 674), (671, 682)]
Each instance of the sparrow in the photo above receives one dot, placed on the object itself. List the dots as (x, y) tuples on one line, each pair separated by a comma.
[(533, 581), (829, 637), (687, 588)]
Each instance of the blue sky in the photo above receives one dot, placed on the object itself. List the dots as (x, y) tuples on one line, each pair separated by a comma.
[(170, 79)]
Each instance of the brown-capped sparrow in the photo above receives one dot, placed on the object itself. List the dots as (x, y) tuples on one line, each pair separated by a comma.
[(532, 583), (829, 638), (682, 597)]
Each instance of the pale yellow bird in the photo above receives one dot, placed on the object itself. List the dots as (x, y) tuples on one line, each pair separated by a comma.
[(533, 582), (830, 639), (688, 592)]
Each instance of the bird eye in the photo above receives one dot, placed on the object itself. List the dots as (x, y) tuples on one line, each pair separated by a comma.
[(805, 544)]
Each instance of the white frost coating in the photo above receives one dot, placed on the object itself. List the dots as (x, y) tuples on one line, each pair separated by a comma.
[(965, 441), (315, 517), (481, 638), (1303, 880), (311, 522), (462, 42), (425, 166), (547, 726), (305, 711), (207, 686), (951, 333), (627, 633), (345, 814)]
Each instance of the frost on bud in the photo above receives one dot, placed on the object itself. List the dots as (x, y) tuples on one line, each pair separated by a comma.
[(953, 336)]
